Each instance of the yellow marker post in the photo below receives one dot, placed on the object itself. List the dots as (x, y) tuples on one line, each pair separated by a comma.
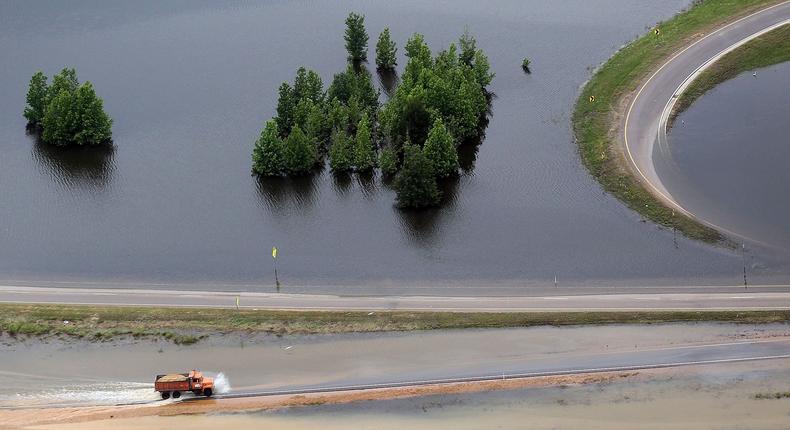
[(276, 278)]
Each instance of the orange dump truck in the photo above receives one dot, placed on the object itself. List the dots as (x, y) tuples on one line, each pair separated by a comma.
[(176, 383)]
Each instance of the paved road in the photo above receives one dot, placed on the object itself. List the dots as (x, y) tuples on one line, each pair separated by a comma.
[(723, 353), (734, 298), (645, 121)]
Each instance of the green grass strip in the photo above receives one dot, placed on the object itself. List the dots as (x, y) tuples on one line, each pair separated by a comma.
[(189, 325), (764, 51), (594, 123)]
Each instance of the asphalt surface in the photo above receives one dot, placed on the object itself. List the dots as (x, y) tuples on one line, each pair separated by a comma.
[(756, 297), (722, 353), (645, 121)]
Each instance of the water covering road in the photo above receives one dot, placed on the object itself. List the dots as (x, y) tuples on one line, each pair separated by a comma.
[(645, 122), (84, 374)]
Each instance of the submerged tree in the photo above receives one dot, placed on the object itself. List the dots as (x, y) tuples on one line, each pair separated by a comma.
[(386, 51), (356, 37), (267, 156), (36, 99), (388, 161), (341, 157), (416, 183), (93, 124), (364, 153), (66, 112), (299, 152), (440, 150), (285, 109)]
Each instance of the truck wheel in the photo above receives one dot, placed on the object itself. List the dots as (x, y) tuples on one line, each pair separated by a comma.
[(207, 392), (176, 394), (165, 395)]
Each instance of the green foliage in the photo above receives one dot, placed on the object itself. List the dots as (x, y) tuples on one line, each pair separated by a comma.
[(66, 80), (340, 153), (525, 64), (451, 86), (482, 69), (337, 115), (267, 156), (355, 82), (440, 102), (73, 114), (386, 51), (440, 150), (308, 85), (416, 183), (356, 37), (468, 48), (388, 161), (364, 153), (299, 152), (419, 58), (93, 124), (285, 109), (36, 99)]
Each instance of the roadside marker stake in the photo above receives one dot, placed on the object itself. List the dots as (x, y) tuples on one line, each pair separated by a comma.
[(276, 278)]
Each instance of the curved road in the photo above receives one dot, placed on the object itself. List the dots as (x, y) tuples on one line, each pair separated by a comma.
[(645, 120)]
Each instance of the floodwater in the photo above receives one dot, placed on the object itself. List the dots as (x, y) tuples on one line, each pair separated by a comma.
[(190, 84), (731, 152), (711, 397), (36, 374)]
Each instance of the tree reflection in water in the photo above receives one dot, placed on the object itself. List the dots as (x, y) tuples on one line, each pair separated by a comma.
[(88, 169), (286, 196)]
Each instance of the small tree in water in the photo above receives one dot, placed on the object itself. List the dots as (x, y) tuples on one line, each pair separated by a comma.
[(440, 150), (385, 51), (416, 182), (356, 37), (299, 152), (340, 154), (36, 99), (364, 154), (66, 112), (267, 156), (388, 161)]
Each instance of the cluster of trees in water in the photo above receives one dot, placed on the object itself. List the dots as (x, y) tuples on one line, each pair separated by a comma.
[(66, 112), (440, 102)]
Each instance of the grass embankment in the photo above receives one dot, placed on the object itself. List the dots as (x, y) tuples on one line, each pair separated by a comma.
[(766, 50), (596, 123), (189, 325)]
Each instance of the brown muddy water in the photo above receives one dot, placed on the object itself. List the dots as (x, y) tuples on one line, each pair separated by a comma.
[(82, 373), (190, 83), (709, 397)]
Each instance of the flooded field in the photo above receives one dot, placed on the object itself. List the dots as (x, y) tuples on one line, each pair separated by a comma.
[(710, 397), (730, 156), (189, 84)]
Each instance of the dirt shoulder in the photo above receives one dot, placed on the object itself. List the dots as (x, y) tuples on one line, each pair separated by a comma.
[(601, 106)]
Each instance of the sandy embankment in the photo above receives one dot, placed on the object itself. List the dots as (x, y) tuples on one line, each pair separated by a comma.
[(24, 418)]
